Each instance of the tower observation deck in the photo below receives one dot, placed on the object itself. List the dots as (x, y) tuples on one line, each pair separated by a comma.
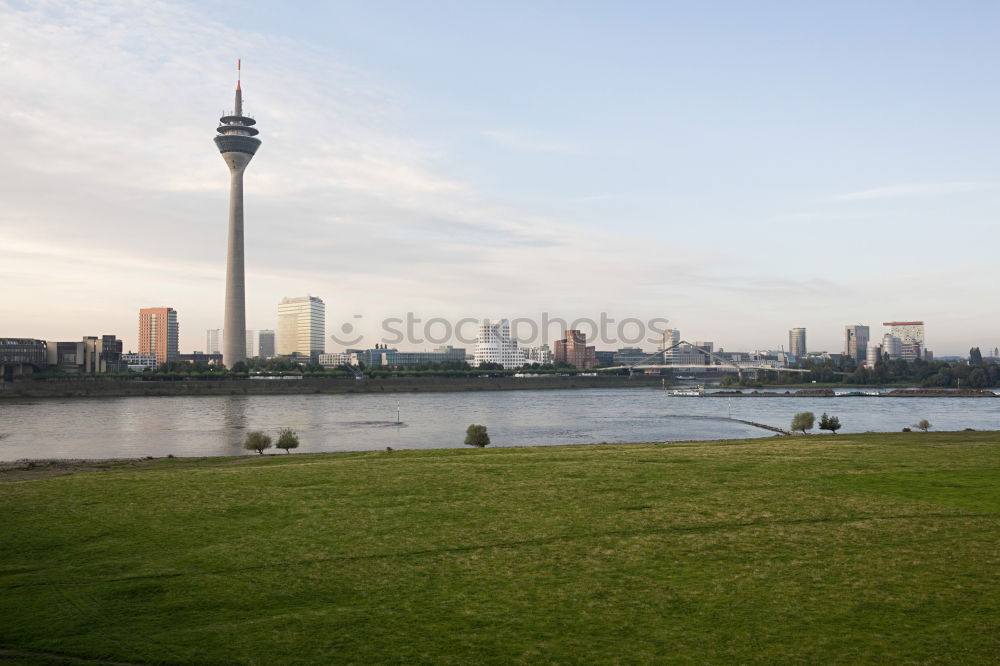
[(237, 142)]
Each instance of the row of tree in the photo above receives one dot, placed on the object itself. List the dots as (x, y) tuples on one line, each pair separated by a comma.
[(974, 373)]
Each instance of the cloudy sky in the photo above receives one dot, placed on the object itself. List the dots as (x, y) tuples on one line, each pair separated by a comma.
[(737, 168)]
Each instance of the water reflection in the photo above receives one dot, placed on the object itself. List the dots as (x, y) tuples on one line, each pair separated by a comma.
[(234, 422)]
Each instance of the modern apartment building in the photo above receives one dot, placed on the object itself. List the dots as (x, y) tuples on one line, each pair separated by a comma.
[(494, 345), (856, 339), (301, 327), (797, 343), (159, 333), (573, 349)]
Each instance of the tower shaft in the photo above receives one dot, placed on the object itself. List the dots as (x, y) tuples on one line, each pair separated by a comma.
[(235, 323)]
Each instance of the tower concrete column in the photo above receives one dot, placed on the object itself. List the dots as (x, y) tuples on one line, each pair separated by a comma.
[(237, 143)]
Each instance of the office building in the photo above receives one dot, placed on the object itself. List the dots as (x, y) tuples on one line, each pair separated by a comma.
[(139, 362), (200, 358), (22, 356), (573, 349), (631, 356), (301, 327), (605, 358), (159, 333), (213, 341), (540, 355), (892, 346), (494, 345), (395, 358), (856, 339), (337, 359), (265, 343), (91, 355), (797, 343), (906, 331), (251, 344), (238, 143)]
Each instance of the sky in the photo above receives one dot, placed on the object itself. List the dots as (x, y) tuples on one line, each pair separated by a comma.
[(738, 169)]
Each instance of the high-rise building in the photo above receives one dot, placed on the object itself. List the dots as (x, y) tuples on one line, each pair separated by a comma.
[(238, 143), (797, 343), (494, 345), (856, 342), (159, 333), (213, 341), (911, 338), (301, 326), (912, 331), (573, 349), (251, 347), (265, 343)]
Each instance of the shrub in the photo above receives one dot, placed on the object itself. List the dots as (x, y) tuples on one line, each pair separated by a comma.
[(257, 441), (287, 439), (923, 424), (907, 430), (475, 435), (803, 421)]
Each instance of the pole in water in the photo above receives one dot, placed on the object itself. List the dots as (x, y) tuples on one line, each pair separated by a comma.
[(730, 408), (397, 412)]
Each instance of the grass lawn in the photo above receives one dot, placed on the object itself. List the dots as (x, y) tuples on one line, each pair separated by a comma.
[(876, 548)]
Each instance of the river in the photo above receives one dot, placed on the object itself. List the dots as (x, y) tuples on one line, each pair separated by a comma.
[(216, 425)]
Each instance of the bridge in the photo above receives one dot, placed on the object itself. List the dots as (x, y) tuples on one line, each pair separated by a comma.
[(717, 363)]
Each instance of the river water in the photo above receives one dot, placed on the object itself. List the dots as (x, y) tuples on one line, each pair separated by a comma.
[(216, 425)]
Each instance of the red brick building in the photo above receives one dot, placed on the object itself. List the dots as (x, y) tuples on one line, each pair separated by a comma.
[(573, 349)]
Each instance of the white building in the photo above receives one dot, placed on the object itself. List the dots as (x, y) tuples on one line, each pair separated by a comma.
[(892, 346), (213, 341), (337, 359), (495, 345), (139, 362), (874, 354), (301, 326), (541, 355)]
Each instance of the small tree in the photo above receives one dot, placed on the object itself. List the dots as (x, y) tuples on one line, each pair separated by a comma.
[(803, 421), (287, 439), (831, 423), (475, 435), (923, 424), (257, 441)]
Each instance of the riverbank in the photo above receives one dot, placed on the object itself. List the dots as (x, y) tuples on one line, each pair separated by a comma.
[(120, 388), (856, 548)]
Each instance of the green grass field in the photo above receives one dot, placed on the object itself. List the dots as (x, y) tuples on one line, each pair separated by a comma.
[(880, 548)]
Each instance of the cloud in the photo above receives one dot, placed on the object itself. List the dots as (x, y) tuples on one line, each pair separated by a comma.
[(525, 143), (920, 190)]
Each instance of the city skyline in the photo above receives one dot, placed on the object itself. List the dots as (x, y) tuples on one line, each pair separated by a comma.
[(431, 191)]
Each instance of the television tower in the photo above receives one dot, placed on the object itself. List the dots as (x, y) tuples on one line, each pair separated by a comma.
[(237, 144)]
